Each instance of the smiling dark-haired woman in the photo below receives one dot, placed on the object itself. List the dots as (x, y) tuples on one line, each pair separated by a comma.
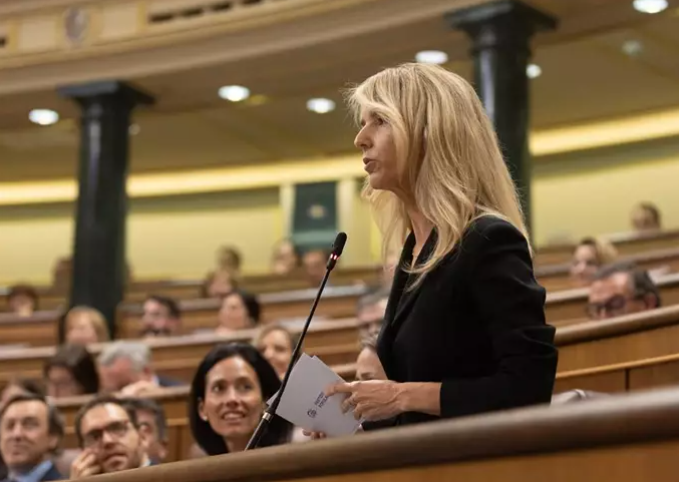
[(228, 396)]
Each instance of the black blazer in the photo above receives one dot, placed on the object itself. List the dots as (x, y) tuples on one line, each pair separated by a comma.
[(476, 324)]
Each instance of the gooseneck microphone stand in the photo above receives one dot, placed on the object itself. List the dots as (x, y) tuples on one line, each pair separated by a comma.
[(270, 412)]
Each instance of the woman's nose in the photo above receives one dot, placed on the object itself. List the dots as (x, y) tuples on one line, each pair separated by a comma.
[(362, 141), (231, 397)]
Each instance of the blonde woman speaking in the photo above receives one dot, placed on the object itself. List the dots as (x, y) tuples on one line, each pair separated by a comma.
[(464, 331)]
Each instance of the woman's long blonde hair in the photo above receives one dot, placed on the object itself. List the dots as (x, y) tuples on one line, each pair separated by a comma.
[(450, 166)]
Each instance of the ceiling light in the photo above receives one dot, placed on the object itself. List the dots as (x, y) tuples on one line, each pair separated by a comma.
[(320, 105), (234, 93), (533, 71), (431, 57), (650, 6), (632, 47), (43, 117)]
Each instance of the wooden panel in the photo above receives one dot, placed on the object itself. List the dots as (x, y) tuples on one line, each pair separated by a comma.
[(627, 244), (565, 307), (335, 342), (609, 382), (654, 376), (630, 438), (201, 314), (557, 277), (619, 349)]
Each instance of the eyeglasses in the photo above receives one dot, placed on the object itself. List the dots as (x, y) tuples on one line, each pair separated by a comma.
[(613, 305), (115, 429)]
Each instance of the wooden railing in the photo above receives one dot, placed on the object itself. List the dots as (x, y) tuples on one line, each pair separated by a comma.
[(631, 438)]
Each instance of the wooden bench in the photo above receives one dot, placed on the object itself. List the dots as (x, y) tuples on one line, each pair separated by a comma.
[(623, 377), (619, 340), (201, 314), (556, 278), (631, 438), (626, 244), (335, 342), (42, 328), (137, 292), (568, 307)]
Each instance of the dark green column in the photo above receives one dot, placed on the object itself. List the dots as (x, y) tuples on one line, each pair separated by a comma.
[(101, 209), (500, 32)]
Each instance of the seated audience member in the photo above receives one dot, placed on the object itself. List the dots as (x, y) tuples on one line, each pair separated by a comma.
[(370, 312), (22, 300), (229, 261), (30, 433), (125, 366), (368, 365), (590, 255), (152, 421), (84, 325), (646, 217), (62, 274), (109, 435), (218, 284), (70, 372), (161, 317), (285, 259), (276, 343), (621, 289), (20, 386), (227, 400), (240, 310), (314, 263)]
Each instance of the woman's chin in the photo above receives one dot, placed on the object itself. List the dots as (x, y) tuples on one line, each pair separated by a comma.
[(375, 181)]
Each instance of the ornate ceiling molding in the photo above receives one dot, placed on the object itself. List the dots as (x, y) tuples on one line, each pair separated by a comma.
[(128, 39)]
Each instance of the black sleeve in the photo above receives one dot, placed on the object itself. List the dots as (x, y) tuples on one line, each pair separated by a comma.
[(510, 304)]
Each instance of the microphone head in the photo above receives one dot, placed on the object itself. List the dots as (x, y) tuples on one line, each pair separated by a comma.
[(338, 245)]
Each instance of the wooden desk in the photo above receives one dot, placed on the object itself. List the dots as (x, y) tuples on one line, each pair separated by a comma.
[(555, 278), (335, 342), (618, 340), (191, 289), (41, 329), (633, 438), (626, 244), (567, 307), (623, 377), (201, 314)]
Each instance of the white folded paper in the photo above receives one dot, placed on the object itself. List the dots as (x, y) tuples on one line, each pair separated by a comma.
[(304, 404)]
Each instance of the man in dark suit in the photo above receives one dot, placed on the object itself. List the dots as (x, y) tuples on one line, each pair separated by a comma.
[(125, 366), (30, 432)]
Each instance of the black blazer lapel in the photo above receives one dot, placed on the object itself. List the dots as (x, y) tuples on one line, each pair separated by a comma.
[(410, 294), (401, 298)]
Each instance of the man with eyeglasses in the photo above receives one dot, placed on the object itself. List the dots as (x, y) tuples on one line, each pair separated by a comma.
[(109, 435), (30, 432), (621, 289)]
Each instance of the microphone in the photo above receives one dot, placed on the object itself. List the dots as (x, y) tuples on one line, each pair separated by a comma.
[(270, 412)]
